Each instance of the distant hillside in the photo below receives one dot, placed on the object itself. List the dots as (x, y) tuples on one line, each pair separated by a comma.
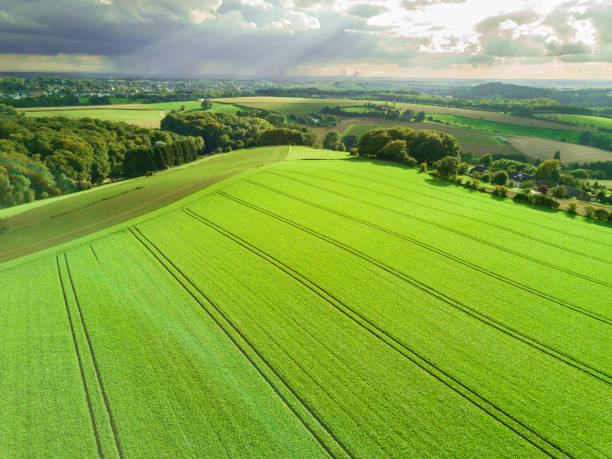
[(503, 91)]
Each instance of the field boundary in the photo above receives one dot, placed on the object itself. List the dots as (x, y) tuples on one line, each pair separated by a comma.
[(447, 228), (474, 313), (507, 420), (471, 265), (220, 319)]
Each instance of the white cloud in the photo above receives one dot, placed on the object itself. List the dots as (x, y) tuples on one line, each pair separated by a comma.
[(294, 21)]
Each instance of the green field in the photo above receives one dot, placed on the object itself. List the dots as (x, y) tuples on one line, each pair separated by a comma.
[(140, 115), (42, 224), (188, 104), (311, 153), (510, 129), (581, 120), (287, 105), (537, 148), (345, 308)]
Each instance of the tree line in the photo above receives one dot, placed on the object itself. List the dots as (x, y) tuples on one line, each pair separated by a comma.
[(42, 157)]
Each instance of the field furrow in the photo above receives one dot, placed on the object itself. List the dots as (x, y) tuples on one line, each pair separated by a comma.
[(528, 396), (43, 398), (545, 253), (599, 374), (556, 281), (175, 383), (267, 304)]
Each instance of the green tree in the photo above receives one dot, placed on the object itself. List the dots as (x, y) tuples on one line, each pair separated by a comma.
[(394, 151), (420, 117), (486, 160), (206, 104), (447, 166), (372, 142), (333, 141), (500, 178), (557, 155), (549, 170)]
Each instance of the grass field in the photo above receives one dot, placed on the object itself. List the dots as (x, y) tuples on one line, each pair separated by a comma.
[(46, 223), (363, 310), (581, 120)]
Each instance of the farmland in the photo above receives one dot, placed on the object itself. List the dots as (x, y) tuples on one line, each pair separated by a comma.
[(140, 115), (42, 224), (537, 148), (581, 120), (365, 310)]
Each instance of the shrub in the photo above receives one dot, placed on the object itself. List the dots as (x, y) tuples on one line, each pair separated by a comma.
[(423, 167), (410, 161), (589, 211), (500, 178), (485, 177), (459, 181), (522, 198), (476, 184), (501, 191), (571, 207), (559, 192), (354, 152), (601, 214), (527, 185), (463, 168), (542, 188), (447, 166), (544, 201)]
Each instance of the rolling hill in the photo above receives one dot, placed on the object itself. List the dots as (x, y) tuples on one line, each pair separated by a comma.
[(344, 308)]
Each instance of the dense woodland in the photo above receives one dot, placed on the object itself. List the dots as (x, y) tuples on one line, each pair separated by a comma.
[(41, 157)]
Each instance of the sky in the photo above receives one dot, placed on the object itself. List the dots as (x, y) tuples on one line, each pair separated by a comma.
[(544, 39)]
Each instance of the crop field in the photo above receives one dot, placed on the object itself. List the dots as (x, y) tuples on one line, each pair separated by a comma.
[(188, 104), (581, 120), (312, 153), (537, 148), (566, 135), (344, 308), (287, 105), (42, 224), (140, 115)]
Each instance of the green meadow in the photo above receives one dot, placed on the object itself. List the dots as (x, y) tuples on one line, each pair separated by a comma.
[(581, 120), (291, 308)]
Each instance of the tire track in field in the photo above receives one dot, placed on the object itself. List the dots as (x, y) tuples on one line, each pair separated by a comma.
[(80, 361), (444, 227), (94, 361), (432, 291), (185, 282), (484, 222), (557, 301), (419, 190), (519, 428)]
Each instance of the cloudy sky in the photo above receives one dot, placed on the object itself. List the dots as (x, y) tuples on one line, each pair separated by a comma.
[(387, 38)]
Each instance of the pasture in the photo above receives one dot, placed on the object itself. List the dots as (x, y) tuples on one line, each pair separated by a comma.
[(364, 310)]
